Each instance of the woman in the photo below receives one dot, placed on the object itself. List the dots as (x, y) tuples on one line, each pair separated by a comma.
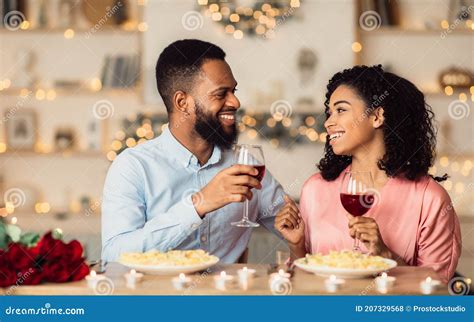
[(377, 122)]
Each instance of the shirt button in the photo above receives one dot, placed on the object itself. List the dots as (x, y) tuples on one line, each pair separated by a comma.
[(203, 238), (194, 226)]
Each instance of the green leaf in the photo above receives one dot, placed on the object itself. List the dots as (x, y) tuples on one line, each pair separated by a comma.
[(14, 232), (29, 239), (3, 236)]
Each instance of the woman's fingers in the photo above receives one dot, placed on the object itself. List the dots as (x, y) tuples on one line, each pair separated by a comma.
[(287, 219)]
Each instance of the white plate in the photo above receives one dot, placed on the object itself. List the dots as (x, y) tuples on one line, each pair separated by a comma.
[(171, 270), (327, 271)]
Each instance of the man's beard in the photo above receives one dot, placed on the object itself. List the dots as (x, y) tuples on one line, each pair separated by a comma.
[(210, 129)]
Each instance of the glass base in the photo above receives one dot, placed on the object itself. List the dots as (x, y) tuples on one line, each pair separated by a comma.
[(245, 223)]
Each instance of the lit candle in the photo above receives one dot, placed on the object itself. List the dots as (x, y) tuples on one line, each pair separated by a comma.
[(333, 283), (281, 274), (133, 278), (181, 282), (221, 280), (245, 276), (384, 283), (429, 285), (92, 279)]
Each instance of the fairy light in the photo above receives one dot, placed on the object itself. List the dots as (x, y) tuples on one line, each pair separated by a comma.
[(444, 161), (51, 95), (448, 90), (142, 27), (3, 147), (111, 155), (40, 94), (444, 24), (69, 33), (463, 97), (356, 47)]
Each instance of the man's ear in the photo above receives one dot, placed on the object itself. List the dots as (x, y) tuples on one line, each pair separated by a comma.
[(378, 117), (183, 102)]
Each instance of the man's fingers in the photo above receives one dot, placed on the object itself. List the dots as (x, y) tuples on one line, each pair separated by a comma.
[(237, 169), (246, 180)]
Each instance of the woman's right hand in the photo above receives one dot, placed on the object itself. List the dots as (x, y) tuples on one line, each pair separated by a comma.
[(290, 224)]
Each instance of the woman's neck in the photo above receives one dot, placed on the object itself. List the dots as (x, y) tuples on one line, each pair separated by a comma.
[(367, 159)]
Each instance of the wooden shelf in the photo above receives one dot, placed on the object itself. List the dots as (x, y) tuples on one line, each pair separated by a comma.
[(63, 155), (58, 30), (68, 91), (412, 31)]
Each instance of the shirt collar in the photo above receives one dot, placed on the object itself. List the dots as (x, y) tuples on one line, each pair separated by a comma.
[(182, 154)]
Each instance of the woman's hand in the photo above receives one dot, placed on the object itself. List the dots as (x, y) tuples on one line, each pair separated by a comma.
[(367, 230), (291, 226)]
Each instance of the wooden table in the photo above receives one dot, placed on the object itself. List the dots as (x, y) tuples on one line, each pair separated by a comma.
[(303, 283)]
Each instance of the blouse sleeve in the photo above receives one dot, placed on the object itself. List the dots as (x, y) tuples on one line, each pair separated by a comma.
[(439, 235), (305, 206)]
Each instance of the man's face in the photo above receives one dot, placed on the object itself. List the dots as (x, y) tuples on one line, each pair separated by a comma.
[(216, 104)]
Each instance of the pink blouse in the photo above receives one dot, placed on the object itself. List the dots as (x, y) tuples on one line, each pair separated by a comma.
[(415, 218)]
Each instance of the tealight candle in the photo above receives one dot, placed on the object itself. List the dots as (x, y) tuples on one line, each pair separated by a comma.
[(181, 282), (245, 276), (281, 274), (92, 279), (221, 280), (384, 283), (133, 278), (429, 285), (333, 283)]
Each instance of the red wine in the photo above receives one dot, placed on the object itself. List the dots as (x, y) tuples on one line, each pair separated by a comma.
[(357, 205), (261, 172)]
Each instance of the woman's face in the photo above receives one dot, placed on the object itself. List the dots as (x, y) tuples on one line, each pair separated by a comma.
[(351, 126)]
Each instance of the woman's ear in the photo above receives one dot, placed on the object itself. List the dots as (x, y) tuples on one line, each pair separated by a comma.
[(378, 117)]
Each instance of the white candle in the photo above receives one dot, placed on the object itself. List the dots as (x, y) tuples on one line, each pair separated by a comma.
[(221, 280), (245, 276), (181, 282), (281, 274), (384, 283), (429, 285), (132, 278), (92, 279), (333, 283)]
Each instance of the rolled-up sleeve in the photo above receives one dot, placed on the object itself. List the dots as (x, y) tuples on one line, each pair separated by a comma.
[(439, 240), (124, 220)]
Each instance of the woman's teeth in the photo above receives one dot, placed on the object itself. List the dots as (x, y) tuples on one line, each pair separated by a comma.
[(335, 135)]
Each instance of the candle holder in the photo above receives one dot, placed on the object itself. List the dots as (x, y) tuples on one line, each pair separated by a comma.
[(133, 278), (429, 285), (333, 284), (222, 280), (181, 282), (384, 283)]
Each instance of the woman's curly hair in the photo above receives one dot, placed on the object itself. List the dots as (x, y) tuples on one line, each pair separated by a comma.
[(409, 134)]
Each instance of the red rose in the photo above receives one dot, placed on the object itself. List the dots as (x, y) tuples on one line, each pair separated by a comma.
[(30, 276), (18, 257), (74, 251), (50, 248), (79, 271), (7, 277), (56, 272)]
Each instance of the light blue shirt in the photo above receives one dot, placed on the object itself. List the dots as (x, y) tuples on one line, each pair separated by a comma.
[(147, 203)]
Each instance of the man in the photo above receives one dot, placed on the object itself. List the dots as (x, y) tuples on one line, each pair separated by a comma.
[(181, 189)]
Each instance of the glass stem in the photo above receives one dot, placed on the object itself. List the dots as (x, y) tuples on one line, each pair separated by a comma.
[(246, 210)]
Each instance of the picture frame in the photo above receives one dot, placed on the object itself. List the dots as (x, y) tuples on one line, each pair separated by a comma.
[(21, 129)]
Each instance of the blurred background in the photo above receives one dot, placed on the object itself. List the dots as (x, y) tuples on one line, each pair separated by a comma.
[(77, 87)]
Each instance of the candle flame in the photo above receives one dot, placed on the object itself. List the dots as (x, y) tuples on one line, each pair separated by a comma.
[(182, 276), (133, 272), (93, 273), (332, 278), (223, 274), (428, 280), (384, 275)]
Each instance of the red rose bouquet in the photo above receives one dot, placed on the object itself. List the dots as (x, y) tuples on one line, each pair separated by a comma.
[(25, 259)]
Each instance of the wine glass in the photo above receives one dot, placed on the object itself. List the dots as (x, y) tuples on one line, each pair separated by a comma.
[(248, 154), (357, 195)]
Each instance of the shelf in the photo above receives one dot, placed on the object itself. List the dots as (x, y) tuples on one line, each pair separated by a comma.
[(58, 30), (412, 31), (63, 155), (68, 91)]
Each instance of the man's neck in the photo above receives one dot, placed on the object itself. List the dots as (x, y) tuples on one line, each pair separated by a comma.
[(194, 143)]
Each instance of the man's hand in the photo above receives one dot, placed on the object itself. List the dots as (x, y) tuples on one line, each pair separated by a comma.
[(233, 184)]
